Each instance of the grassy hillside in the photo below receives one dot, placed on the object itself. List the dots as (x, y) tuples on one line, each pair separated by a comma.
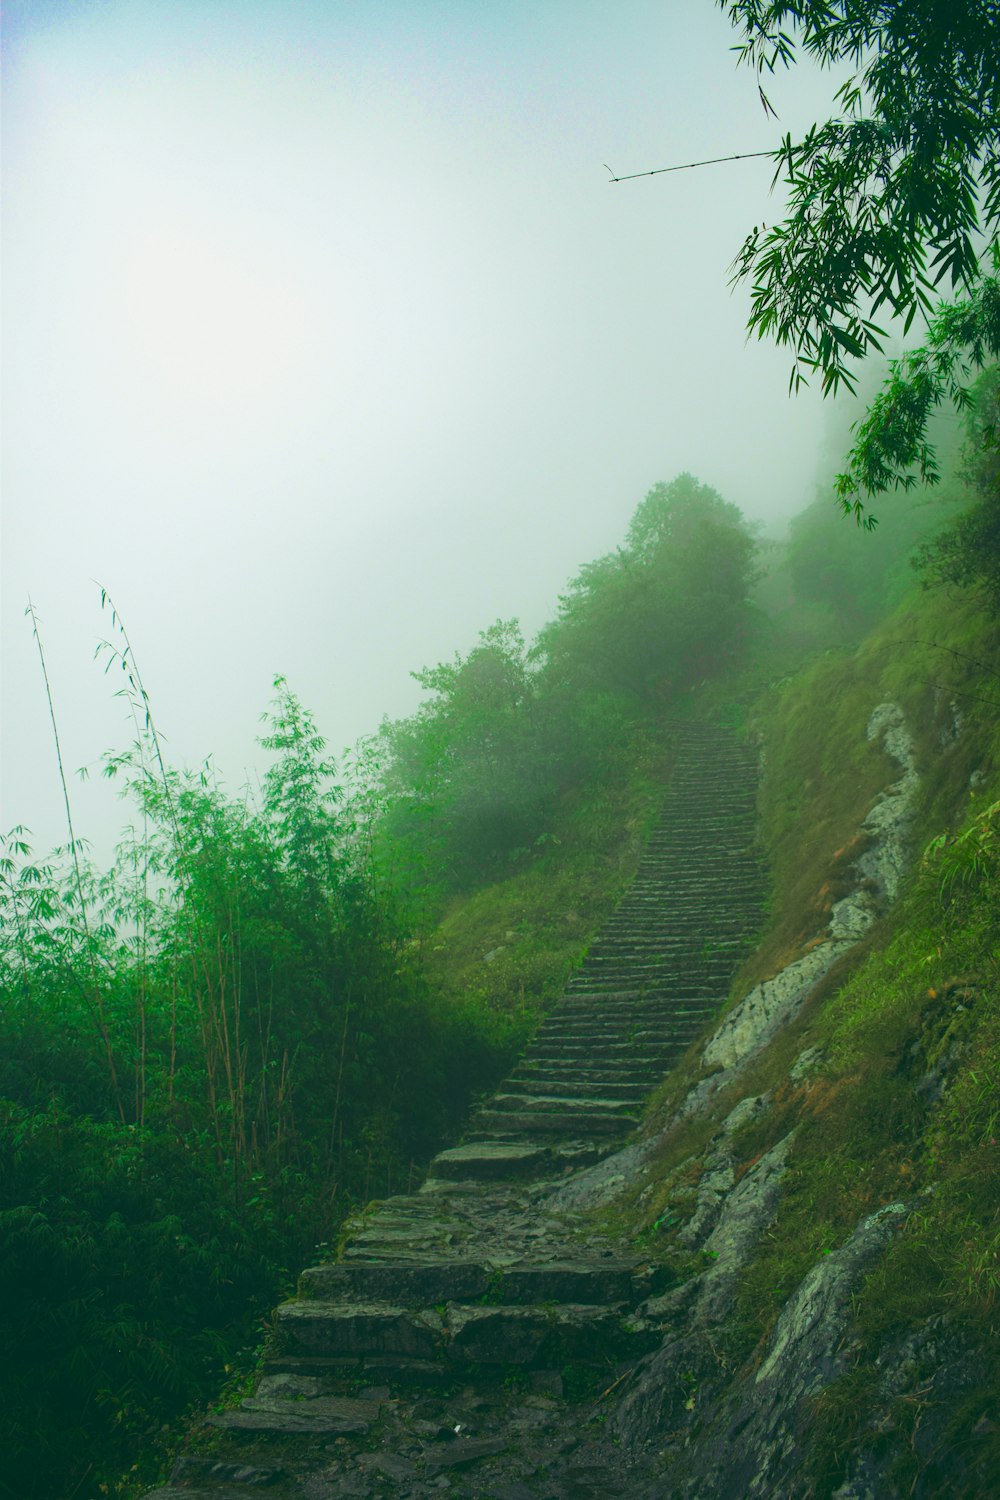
[(897, 1094)]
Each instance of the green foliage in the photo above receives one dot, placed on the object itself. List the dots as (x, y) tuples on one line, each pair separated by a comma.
[(885, 203), (267, 1010), (824, 567), (890, 200), (300, 803), (469, 764), (208, 1054), (128, 1277), (967, 553), (471, 782), (893, 437), (511, 944), (665, 611)]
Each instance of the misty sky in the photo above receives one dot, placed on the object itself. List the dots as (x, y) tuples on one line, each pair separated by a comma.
[(327, 341)]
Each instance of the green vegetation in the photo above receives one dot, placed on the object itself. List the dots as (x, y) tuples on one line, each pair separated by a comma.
[(885, 203), (272, 1008), (900, 1101), (188, 1046), (473, 780), (514, 803)]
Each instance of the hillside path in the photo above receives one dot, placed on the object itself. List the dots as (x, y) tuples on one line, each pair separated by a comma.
[(472, 1336)]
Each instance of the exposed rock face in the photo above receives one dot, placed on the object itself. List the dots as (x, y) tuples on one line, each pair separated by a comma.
[(749, 1028), (752, 1434), (752, 1024)]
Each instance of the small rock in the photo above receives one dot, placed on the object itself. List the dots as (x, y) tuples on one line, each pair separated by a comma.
[(392, 1465), (746, 1111), (426, 1411), (434, 1431), (807, 1062), (461, 1453)]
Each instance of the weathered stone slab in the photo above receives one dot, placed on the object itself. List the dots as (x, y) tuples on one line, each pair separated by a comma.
[(412, 1286), (290, 1421), (566, 1282), (586, 1122), (497, 1335), (334, 1328), (489, 1160), (461, 1453), (512, 1335)]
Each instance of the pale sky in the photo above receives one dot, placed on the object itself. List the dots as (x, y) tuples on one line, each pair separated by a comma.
[(327, 342)]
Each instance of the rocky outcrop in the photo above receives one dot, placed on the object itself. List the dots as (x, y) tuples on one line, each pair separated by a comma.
[(884, 834), (752, 1433)]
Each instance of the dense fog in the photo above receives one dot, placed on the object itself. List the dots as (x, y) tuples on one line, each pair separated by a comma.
[(328, 342)]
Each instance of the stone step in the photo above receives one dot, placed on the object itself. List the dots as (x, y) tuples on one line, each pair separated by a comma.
[(657, 929), (643, 1057), (687, 1015), (560, 1103), (654, 983), (649, 1002), (594, 1031), (682, 922), (317, 1416), (498, 1336), (688, 870), (663, 913), (577, 1089), (481, 1160), (546, 1337), (681, 875), (541, 1073), (489, 1161), (661, 942), (584, 1048), (565, 1073), (656, 921), (707, 884), (347, 1373), (357, 1329), (587, 1026), (679, 973), (689, 975), (700, 984), (619, 1000), (638, 1052), (700, 844), (435, 1283), (529, 1123)]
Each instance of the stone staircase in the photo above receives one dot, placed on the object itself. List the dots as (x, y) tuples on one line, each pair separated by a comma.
[(655, 974), (437, 1354)]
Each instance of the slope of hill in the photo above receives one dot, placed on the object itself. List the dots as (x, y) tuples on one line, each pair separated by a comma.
[(786, 1282)]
